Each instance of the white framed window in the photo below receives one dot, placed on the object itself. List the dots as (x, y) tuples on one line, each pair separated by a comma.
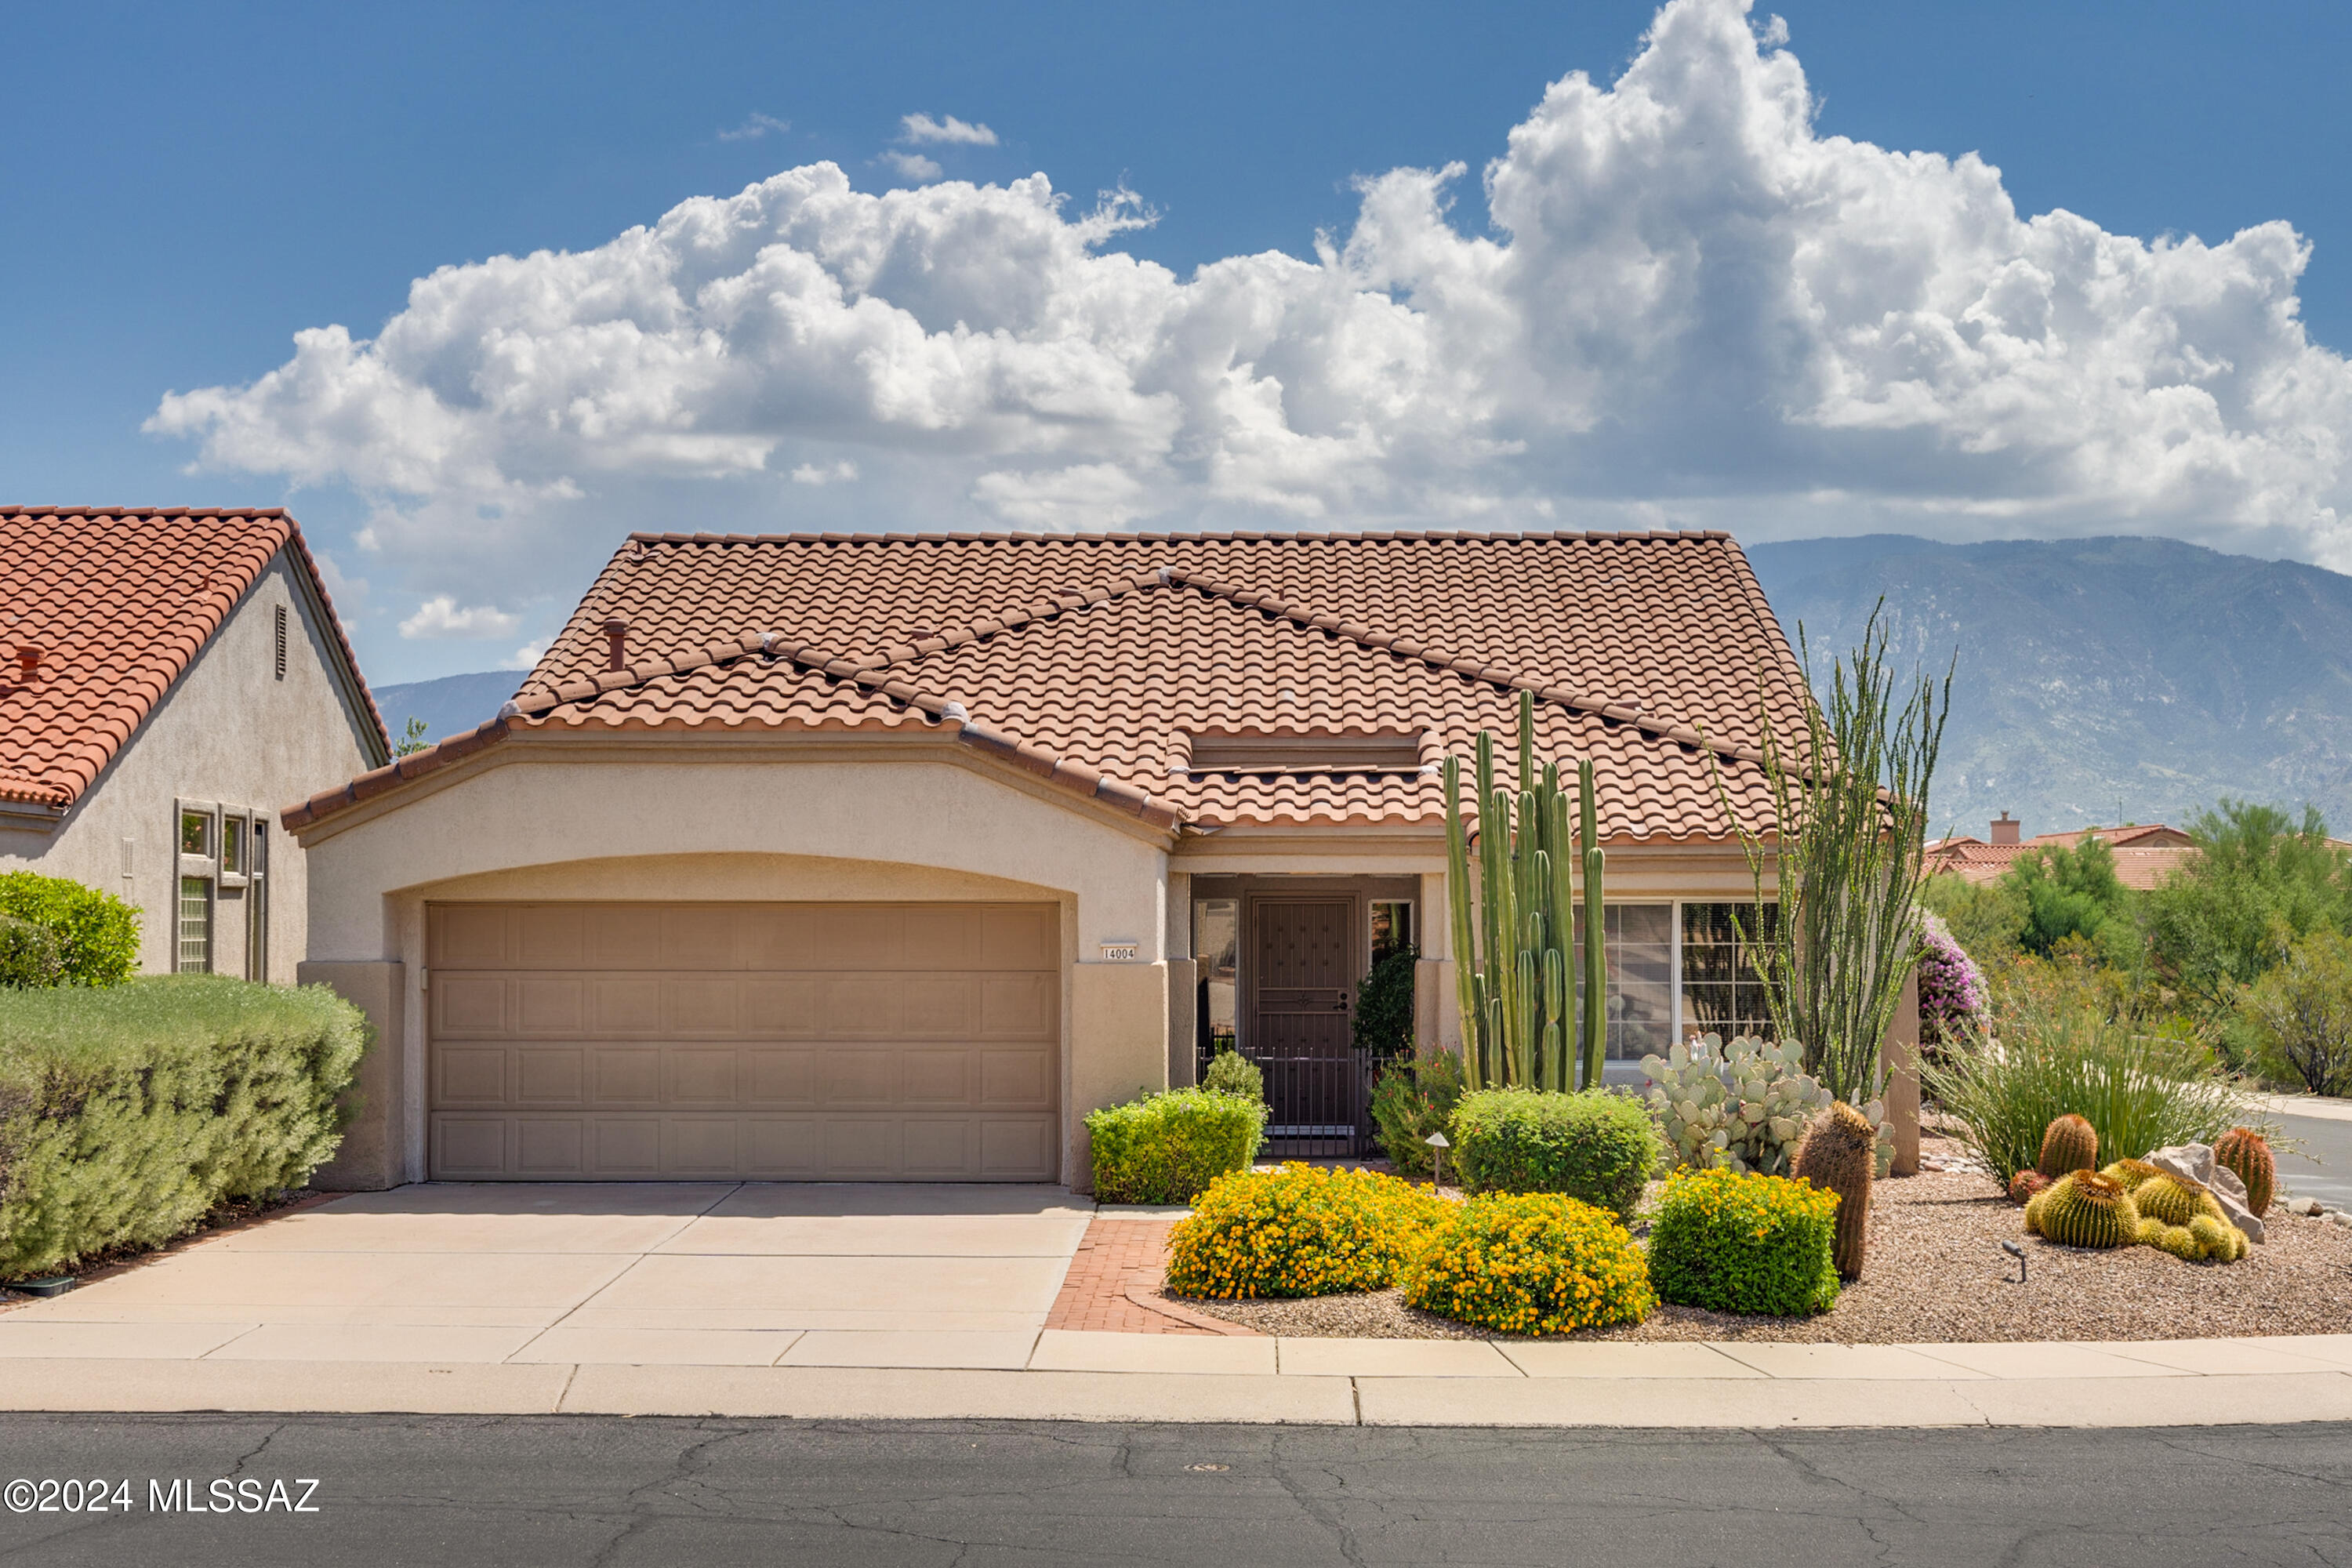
[(197, 835), (1641, 1000), (1719, 989)]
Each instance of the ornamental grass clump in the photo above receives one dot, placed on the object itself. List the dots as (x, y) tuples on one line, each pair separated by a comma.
[(1743, 1243), (1531, 1263), (1299, 1231), (1167, 1148), (1597, 1145)]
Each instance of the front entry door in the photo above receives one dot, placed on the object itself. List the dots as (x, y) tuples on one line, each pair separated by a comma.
[(1303, 983)]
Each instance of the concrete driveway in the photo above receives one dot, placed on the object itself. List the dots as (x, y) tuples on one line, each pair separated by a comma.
[(721, 1274)]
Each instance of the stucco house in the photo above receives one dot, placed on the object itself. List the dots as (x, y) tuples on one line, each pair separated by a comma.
[(889, 857), (167, 680)]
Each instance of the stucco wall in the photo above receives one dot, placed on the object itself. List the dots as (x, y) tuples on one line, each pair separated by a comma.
[(636, 825), (228, 731)]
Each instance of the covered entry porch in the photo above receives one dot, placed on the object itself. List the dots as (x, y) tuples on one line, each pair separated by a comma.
[(1278, 961)]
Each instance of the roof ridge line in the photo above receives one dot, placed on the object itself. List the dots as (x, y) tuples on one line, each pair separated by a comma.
[(1437, 658), (1189, 536), (48, 510), (1061, 771)]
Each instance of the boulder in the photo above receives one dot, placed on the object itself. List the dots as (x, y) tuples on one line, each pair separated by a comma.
[(2195, 1162)]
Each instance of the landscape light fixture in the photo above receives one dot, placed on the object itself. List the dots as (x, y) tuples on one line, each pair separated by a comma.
[(2019, 1252), (1436, 1141)]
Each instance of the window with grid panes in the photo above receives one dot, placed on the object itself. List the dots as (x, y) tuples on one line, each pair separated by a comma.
[(1722, 994), (1640, 951), (195, 925)]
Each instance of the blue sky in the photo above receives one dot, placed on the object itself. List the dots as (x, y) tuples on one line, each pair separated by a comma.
[(191, 187)]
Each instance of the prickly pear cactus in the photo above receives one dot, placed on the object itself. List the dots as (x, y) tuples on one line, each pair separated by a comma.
[(1743, 1103)]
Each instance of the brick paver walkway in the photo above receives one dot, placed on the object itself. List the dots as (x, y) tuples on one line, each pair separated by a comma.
[(1117, 1253)]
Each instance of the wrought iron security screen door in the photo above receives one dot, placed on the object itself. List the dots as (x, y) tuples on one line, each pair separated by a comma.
[(1302, 986)]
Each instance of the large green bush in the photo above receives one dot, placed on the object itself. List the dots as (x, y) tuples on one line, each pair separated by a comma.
[(1414, 1099), (127, 1113), (1735, 1243), (2140, 1088), (1168, 1148), (96, 933), (2300, 1016), (30, 957), (1596, 1145)]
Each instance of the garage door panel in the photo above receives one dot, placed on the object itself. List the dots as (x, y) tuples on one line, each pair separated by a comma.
[(701, 1075), (551, 1075), (470, 936), (626, 1075), (782, 1008), (471, 1075), (1020, 937), (935, 1078), (782, 1078), (549, 936), (1016, 1080), (842, 1042), (702, 1004), (550, 1005), (470, 1147), (619, 1005), (1017, 1151), (1020, 1006)]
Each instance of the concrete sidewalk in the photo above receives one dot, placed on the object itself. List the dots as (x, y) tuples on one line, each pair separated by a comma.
[(1133, 1377)]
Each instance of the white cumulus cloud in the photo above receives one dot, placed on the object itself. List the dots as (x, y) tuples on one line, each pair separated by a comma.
[(921, 128), (441, 617), (756, 125), (839, 473), (1693, 308), (913, 166)]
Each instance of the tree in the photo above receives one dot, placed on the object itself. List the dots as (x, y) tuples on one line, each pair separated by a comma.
[(2067, 892), (2260, 881), (1987, 919), (2301, 1015), (1842, 853), (412, 740)]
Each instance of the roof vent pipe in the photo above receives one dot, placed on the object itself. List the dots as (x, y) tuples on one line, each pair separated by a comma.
[(29, 661), (616, 639)]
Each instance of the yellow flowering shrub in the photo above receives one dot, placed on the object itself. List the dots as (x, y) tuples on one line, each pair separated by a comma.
[(1299, 1231), (1531, 1263)]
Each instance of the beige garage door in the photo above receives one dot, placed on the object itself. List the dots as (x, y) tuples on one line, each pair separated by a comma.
[(832, 1042)]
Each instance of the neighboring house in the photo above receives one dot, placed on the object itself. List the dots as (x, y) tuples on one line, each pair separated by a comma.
[(2145, 853), (167, 680), (890, 856)]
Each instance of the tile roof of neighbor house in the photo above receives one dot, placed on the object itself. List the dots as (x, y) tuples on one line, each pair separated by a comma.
[(1094, 660), (119, 601), (2145, 853)]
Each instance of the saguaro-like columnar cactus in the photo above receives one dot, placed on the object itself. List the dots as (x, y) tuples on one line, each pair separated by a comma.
[(1512, 941)]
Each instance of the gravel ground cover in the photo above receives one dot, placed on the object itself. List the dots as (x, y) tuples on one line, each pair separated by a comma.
[(1937, 1273)]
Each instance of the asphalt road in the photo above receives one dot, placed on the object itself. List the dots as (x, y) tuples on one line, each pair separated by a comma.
[(430, 1490), (2322, 1169)]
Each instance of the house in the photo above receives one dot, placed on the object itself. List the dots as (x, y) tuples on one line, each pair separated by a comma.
[(167, 679), (2145, 853), (889, 857)]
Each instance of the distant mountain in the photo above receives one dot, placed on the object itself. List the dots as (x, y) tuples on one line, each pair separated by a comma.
[(449, 706), (2099, 679)]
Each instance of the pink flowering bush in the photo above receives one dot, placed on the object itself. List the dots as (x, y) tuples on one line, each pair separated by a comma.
[(1952, 998)]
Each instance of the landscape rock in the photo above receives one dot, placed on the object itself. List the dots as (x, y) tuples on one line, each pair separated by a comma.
[(2196, 1162), (2313, 1208)]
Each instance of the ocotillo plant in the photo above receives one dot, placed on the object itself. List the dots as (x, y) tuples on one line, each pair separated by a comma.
[(1512, 941)]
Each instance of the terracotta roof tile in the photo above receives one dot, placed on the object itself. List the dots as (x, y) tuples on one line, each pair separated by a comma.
[(119, 601), (1121, 658)]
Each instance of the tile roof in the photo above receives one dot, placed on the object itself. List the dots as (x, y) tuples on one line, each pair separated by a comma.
[(2145, 853), (1093, 660), (119, 601)]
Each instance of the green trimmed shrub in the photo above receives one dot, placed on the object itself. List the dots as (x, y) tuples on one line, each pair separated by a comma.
[(1531, 1263), (1382, 1024), (1414, 1099), (127, 1113), (30, 958), (96, 933), (1596, 1145), (1302, 1231), (1741, 1243), (1168, 1148), (1230, 1072)]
